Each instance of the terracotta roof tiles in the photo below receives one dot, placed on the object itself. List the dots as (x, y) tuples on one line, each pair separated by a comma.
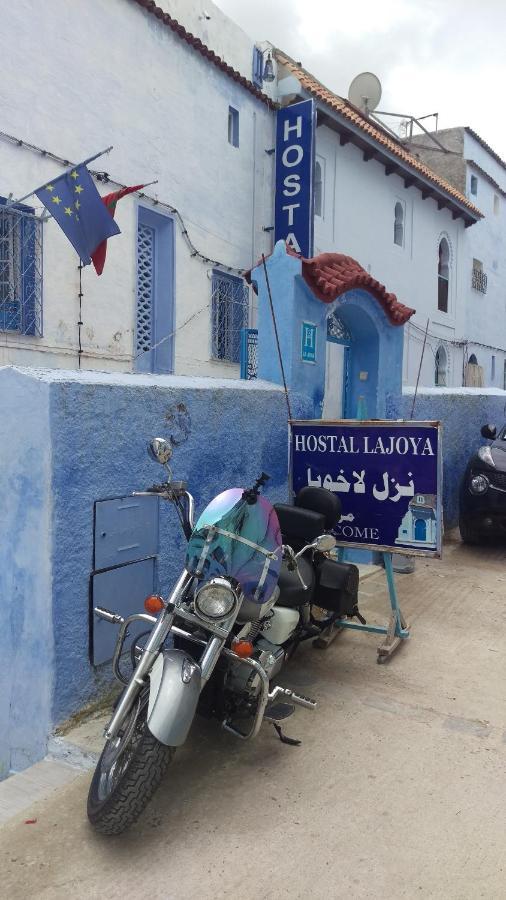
[(195, 42), (356, 117), (330, 275)]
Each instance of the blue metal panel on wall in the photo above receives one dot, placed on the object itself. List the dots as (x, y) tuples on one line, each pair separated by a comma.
[(120, 590), (154, 344), (293, 221), (126, 529)]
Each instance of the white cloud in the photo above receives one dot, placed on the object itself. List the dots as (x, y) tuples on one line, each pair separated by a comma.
[(445, 56)]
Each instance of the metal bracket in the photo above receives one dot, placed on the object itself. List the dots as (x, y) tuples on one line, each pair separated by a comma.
[(395, 633)]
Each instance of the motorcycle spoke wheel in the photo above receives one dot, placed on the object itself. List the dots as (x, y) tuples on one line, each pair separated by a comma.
[(128, 773)]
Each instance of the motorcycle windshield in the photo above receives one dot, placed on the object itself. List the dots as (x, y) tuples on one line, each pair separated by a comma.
[(242, 541)]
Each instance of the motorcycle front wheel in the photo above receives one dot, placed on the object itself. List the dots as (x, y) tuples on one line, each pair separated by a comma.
[(128, 773)]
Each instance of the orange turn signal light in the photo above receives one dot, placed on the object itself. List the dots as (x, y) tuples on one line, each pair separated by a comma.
[(242, 648), (154, 604)]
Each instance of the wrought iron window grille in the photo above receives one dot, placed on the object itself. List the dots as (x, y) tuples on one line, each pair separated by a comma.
[(229, 315), (479, 281), (20, 271)]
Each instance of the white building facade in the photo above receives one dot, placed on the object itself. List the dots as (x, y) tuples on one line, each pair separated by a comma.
[(468, 163), (430, 231), (170, 87)]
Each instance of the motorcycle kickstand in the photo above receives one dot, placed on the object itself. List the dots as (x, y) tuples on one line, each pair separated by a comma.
[(292, 742)]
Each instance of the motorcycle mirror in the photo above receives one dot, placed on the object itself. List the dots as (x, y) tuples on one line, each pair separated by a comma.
[(160, 450), (325, 542)]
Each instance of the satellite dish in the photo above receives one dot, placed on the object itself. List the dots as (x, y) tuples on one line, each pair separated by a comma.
[(365, 91)]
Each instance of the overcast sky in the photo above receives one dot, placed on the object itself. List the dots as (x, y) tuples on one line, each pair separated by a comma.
[(446, 56)]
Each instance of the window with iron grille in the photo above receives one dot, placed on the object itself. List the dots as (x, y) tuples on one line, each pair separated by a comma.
[(20, 270), (229, 310)]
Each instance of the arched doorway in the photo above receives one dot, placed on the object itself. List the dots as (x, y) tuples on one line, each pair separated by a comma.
[(352, 357), (337, 361), (420, 530)]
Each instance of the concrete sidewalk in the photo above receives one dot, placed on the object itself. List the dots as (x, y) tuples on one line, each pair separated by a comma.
[(397, 790)]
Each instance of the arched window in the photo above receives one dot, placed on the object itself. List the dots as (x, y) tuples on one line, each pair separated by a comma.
[(318, 189), (399, 224), (443, 275), (441, 367), (472, 360)]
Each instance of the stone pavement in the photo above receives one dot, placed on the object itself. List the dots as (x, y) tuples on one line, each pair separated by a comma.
[(397, 790)]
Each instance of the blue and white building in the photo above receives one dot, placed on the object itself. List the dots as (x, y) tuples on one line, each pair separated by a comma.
[(172, 87)]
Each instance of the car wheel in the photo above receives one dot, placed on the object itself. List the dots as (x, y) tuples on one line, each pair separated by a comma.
[(468, 534)]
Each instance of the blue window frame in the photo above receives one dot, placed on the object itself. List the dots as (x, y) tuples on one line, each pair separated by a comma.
[(229, 310), (233, 126), (154, 334), (20, 270), (258, 67)]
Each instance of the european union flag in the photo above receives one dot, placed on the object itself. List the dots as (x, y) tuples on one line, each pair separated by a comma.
[(73, 200)]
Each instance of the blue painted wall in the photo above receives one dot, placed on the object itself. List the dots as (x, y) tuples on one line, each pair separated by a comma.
[(79, 437), (26, 634), (462, 413)]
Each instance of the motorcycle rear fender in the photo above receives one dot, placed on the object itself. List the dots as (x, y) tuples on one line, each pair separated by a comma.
[(175, 684)]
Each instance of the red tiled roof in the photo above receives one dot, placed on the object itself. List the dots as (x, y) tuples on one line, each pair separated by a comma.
[(374, 130), (195, 42), (331, 274)]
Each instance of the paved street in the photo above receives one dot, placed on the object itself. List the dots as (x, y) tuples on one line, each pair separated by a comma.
[(397, 790)]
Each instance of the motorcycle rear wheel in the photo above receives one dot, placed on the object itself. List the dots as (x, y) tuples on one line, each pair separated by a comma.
[(128, 773)]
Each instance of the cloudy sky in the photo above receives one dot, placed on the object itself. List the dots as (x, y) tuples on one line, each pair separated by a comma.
[(445, 56)]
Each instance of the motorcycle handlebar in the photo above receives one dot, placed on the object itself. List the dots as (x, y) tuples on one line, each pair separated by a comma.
[(292, 563)]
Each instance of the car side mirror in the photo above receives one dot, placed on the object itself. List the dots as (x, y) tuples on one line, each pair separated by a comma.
[(489, 432)]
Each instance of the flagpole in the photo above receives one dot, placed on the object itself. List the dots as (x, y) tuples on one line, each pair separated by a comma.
[(70, 169)]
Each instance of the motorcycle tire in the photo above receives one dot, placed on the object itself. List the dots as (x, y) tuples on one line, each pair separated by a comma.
[(117, 798)]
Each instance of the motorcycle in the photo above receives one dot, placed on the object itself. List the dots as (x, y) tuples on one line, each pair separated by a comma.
[(257, 581)]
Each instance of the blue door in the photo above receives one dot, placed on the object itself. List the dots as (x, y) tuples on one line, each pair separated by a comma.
[(420, 530), (154, 341)]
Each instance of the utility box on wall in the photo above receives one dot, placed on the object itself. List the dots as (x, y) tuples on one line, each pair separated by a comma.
[(125, 549)]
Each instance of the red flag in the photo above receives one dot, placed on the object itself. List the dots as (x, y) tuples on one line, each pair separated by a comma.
[(110, 200)]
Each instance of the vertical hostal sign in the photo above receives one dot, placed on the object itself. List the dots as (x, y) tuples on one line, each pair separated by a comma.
[(293, 223)]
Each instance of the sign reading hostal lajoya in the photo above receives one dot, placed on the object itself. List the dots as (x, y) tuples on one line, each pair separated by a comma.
[(387, 476), (293, 219)]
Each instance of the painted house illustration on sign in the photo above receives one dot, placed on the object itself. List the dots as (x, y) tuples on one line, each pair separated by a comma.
[(419, 525)]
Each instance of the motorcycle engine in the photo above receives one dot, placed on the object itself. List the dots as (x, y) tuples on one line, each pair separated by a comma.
[(270, 656)]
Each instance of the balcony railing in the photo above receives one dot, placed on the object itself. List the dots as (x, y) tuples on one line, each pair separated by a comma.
[(479, 281)]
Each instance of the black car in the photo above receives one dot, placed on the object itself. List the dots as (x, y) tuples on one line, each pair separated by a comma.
[(483, 490)]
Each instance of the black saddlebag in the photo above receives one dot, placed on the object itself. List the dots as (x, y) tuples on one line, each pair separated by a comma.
[(336, 587)]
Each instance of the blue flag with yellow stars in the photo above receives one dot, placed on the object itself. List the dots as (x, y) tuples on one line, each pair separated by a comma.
[(73, 200)]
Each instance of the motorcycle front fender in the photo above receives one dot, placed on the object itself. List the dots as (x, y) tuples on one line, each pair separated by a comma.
[(175, 685)]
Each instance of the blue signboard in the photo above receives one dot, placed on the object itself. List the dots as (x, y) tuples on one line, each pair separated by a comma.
[(387, 476), (308, 342), (293, 220)]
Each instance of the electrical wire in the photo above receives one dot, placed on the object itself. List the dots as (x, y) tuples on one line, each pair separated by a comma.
[(105, 178)]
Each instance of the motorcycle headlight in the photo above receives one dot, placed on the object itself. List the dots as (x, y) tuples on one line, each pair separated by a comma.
[(478, 484), (215, 600)]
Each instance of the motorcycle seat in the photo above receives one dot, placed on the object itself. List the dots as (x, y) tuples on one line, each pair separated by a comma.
[(291, 592)]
